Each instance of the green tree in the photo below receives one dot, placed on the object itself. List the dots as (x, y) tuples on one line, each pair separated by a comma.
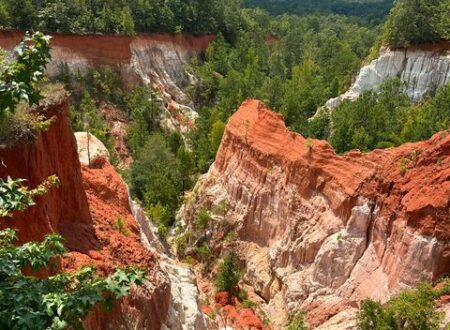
[(186, 167), (154, 174), (216, 134), (411, 309), (412, 22), (227, 277), (202, 219), (302, 96)]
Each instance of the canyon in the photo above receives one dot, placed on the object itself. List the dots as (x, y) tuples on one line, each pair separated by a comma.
[(320, 232), (156, 60), (84, 209), (314, 231), (421, 69)]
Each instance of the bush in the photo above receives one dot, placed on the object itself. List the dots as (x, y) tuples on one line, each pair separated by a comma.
[(202, 219), (204, 254), (411, 309), (120, 226), (227, 277), (297, 322)]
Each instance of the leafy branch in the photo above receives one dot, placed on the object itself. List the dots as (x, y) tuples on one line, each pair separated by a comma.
[(19, 79)]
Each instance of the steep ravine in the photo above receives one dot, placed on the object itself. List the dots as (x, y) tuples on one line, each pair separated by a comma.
[(84, 210), (422, 69), (318, 231)]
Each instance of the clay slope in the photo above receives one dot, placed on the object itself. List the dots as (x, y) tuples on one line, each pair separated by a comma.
[(319, 231), (84, 210)]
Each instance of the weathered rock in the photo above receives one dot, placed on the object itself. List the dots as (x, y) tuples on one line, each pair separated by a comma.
[(90, 148), (334, 229), (422, 69), (53, 152), (158, 60), (184, 311)]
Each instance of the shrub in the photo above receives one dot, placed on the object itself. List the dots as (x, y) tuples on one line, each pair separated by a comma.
[(204, 253), (249, 304), (297, 322), (120, 226), (411, 309), (202, 219), (231, 236), (228, 275)]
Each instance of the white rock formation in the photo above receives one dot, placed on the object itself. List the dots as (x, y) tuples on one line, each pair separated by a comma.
[(422, 71), (90, 148), (184, 309)]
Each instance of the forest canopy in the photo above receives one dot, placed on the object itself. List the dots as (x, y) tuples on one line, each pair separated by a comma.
[(413, 22), (121, 16), (362, 8)]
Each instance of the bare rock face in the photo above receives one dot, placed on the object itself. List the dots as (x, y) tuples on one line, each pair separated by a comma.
[(90, 148), (319, 231), (53, 152), (421, 69), (157, 60)]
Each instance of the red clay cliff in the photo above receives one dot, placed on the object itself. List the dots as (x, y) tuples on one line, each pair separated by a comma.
[(318, 231), (84, 209)]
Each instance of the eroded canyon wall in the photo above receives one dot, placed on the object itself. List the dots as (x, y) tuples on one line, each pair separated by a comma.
[(319, 231), (158, 60), (422, 69), (84, 210)]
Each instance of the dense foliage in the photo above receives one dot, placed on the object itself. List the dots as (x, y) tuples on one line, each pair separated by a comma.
[(387, 118), (19, 78), (54, 302), (121, 16), (374, 9), (411, 309), (413, 22)]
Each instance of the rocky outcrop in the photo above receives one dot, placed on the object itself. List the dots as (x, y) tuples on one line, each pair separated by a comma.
[(421, 69), (320, 232), (184, 308), (90, 148), (158, 60), (84, 209)]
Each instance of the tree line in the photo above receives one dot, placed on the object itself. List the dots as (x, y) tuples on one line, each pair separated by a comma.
[(121, 16), (413, 22)]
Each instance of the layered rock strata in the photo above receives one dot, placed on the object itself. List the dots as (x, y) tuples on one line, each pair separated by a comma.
[(158, 60), (422, 70), (319, 231)]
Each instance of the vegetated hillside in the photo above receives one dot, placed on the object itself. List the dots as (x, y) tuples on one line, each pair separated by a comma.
[(320, 232), (375, 9)]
